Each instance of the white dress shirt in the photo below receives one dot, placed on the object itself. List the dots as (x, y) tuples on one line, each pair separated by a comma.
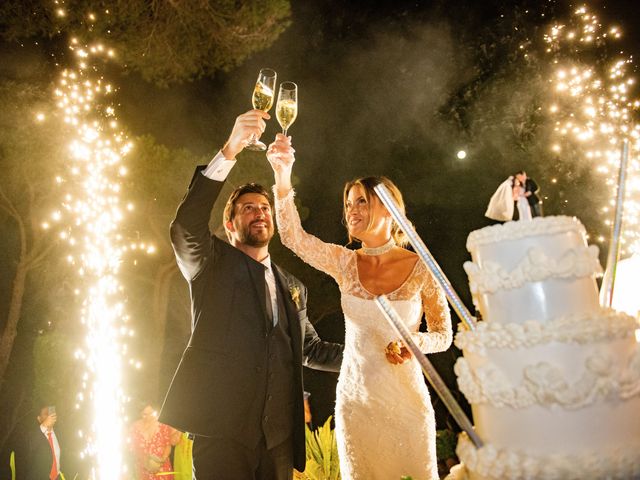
[(218, 168), (271, 285)]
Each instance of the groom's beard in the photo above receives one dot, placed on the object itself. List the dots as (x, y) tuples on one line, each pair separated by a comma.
[(258, 239)]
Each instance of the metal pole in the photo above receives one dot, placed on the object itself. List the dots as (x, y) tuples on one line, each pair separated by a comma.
[(609, 278), (429, 371), (421, 249)]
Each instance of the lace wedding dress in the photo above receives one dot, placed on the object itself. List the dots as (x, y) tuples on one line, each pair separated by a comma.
[(385, 425)]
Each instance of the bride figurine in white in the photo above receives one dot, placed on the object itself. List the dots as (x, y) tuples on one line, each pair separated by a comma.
[(508, 195), (524, 210), (385, 423), (501, 204)]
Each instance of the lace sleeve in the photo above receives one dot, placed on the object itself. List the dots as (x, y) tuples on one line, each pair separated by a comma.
[(326, 257), (439, 332)]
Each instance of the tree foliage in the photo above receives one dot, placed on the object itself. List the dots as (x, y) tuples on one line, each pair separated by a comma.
[(30, 152), (505, 92), (166, 41)]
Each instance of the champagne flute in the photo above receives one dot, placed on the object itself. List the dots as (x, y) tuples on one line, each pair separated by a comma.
[(287, 107), (262, 100)]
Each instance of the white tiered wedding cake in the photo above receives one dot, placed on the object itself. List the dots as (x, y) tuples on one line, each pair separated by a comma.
[(552, 378)]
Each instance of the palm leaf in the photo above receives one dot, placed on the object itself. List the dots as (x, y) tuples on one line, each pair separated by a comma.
[(322, 454)]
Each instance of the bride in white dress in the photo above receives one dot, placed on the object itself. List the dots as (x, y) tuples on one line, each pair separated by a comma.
[(524, 210), (385, 423)]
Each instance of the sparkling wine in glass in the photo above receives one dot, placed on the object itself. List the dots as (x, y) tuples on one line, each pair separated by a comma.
[(287, 106), (263, 100)]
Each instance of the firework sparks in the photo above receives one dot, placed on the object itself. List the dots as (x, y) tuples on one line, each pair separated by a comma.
[(94, 213), (594, 109)]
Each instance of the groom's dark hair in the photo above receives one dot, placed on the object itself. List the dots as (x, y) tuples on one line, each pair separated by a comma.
[(230, 208)]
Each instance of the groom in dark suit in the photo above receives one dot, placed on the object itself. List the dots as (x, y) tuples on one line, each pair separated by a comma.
[(238, 386)]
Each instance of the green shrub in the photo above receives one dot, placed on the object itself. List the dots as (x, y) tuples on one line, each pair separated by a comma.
[(322, 452), (446, 441)]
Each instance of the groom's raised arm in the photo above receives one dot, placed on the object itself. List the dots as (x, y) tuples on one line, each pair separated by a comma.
[(190, 235)]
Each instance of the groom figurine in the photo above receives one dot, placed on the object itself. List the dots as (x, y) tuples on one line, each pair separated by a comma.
[(238, 386), (530, 191)]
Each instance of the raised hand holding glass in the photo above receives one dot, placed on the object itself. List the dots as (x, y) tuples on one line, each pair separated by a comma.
[(287, 106)]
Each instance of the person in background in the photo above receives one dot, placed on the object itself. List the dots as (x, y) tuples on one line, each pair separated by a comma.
[(183, 457), (307, 410), (44, 452), (151, 442)]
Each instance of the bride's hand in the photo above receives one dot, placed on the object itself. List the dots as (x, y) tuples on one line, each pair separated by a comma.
[(281, 154), (397, 353), (281, 157)]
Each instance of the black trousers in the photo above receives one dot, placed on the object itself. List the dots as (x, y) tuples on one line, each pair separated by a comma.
[(536, 210), (217, 458)]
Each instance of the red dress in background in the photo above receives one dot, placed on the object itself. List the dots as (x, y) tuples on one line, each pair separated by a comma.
[(156, 446)]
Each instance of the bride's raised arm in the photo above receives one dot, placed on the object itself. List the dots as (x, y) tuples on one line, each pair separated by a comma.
[(327, 257)]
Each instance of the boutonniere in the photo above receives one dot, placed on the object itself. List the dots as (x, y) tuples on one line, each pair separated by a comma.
[(294, 290)]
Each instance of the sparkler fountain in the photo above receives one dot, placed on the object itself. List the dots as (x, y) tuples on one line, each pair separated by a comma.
[(593, 113), (94, 212)]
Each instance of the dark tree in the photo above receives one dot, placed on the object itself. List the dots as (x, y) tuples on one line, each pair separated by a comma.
[(165, 41)]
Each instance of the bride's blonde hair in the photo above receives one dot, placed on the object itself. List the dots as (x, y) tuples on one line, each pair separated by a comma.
[(368, 184)]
